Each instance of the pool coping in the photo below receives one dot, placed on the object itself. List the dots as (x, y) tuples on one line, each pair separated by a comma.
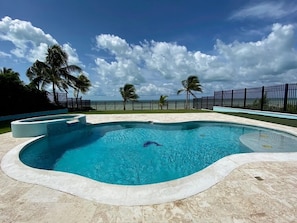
[(146, 194)]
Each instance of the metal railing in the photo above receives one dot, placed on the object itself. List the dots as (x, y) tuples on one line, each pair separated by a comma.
[(138, 105), (70, 103), (281, 98), (79, 104)]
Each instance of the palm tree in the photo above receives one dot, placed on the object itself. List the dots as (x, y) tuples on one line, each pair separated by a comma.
[(128, 93), (10, 76), (191, 84), (162, 101), (38, 75), (54, 70), (82, 85)]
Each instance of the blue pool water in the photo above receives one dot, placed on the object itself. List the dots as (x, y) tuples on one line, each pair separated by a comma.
[(137, 153)]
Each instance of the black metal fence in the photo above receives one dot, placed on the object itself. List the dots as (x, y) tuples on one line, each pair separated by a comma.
[(76, 104), (138, 105), (70, 103), (281, 98)]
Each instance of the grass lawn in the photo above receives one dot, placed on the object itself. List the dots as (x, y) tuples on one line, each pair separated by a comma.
[(282, 121), (143, 111), (5, 125)]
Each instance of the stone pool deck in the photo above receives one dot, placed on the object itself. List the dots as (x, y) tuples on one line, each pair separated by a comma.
[(253, 192)]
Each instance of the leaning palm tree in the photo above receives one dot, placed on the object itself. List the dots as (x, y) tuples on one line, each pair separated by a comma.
[(82, 84), (191, 84), (54, 70), (128, 93), (39, 75), (162, 101)]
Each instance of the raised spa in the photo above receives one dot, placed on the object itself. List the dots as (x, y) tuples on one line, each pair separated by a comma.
[(46, 125)]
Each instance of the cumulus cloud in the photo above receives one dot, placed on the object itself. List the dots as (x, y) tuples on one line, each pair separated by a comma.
[(149, 65), (154, 90), (265, 10), (30, 42), (148, 62), (72, 55), (267, 58), (26, 38)]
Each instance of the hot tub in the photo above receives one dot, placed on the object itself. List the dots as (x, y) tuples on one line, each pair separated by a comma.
[(46, 125)]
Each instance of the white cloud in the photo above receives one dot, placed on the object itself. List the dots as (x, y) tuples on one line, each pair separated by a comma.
[(25, 37), (149, 62), (153, 90), (30, 42), (3, 54), (266, 58), (149, 65), (37, 53), (265, 10), (117, 46), (72, 55)]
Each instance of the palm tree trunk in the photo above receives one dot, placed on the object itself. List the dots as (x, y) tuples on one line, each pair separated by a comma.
[(55, 95), (187, 100)]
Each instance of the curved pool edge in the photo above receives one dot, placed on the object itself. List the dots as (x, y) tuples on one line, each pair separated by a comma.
[(132, 195)]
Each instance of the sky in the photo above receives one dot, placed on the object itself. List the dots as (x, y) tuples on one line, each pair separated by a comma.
[(155, 44)]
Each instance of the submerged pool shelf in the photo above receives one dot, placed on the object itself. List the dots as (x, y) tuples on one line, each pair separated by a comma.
[(44, 125)]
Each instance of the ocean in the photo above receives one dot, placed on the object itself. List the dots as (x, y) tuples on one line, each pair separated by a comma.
[(139, 105)]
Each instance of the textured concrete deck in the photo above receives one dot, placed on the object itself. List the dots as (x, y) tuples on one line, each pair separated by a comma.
[(254, 192)]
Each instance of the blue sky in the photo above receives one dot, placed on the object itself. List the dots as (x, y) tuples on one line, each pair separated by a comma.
[(228, 44)]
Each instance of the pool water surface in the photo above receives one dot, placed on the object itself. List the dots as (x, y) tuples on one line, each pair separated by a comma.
[(139, 153)]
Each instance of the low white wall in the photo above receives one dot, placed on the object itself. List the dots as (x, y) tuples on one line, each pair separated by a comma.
[(255, 112)]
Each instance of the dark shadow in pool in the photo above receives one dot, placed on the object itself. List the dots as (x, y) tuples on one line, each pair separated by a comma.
[(149, 143)]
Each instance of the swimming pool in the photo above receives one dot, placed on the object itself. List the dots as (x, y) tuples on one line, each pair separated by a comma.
[(149, 194), (140, 153)]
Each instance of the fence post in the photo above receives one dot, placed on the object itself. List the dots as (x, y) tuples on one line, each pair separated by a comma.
[(207, 102), (66, 100), (262, 98), (232, 99), (222, 99), (244, 100), (286, 97)]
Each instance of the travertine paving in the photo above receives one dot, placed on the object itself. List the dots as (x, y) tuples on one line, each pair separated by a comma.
[(254, 192)]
